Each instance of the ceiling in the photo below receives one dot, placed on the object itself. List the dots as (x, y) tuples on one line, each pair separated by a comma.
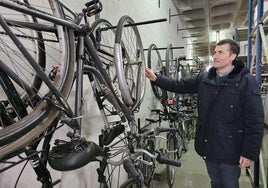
[(202, 19)]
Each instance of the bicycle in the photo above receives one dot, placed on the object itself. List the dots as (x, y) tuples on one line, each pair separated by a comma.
[(177, 141), (44, 96), (32, 108), (142, 167), (179, 110), (155, 63)]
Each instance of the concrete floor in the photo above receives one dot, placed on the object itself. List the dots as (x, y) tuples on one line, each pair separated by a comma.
[(192, 173)]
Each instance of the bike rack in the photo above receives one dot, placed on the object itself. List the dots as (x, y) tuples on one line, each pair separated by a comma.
[(173, 48), (139, 23), (171, 15), (261, 42)]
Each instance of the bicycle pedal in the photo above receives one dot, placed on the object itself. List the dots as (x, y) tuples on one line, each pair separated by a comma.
[(157, 177)]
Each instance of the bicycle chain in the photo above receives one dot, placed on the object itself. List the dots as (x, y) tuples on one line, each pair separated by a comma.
[(29, 37), (30, 7), (33, 38)]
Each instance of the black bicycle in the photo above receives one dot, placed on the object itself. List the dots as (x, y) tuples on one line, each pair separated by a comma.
[(45, 50)]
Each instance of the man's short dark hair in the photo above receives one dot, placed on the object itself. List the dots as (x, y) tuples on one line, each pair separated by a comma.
[(234, 46)]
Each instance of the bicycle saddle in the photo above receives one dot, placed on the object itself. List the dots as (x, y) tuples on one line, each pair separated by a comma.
[(71, 155)]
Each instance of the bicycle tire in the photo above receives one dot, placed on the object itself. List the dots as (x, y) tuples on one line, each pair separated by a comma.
[(191, 128), (184, 136), (169, 60), (130, 183), (40, 113), (154, 57), (91, 53), (130, 62), (171, 143), (170, 68), (183, 72), (104, 39), (148, 170), (188, 70)]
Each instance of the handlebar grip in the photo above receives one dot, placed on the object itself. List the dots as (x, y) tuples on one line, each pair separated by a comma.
[(114, 132), (163, 160), (165, 129), (131, 170), (188, 111), (159, 130), (151, 120), (156, 110)]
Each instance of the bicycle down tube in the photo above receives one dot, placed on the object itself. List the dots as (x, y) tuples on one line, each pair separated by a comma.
[(75, 46)]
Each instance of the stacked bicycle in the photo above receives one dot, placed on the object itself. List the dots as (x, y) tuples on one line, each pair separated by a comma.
[(44, 54), (178, 110)]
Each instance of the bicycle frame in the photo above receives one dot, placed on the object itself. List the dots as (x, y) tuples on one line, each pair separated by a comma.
[(79, 73), (84, 41)]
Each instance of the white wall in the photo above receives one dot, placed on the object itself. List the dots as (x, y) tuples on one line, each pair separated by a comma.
[(161, 34)]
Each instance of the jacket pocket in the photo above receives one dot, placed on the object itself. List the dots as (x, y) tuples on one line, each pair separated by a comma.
[(230, 108), (228, 145), (231, 134), (199, 140)]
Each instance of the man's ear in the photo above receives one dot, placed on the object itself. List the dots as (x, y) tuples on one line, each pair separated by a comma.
[(233, 56)]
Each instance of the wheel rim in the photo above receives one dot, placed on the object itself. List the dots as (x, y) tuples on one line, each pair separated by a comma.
[(130, 63), (37, 45)]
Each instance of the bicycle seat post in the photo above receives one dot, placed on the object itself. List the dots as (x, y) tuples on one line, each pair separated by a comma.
[(79, 84)]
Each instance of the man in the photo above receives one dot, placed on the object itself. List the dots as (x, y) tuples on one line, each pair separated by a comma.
[(230, 114)]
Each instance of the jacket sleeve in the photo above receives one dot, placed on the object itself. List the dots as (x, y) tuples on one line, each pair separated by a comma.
[(184, 85), (254, 121)]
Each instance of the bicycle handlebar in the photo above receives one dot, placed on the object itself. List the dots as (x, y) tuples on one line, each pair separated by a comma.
[(158, 111), (158, 156), (156, 131), (163, 160), (176, 115)]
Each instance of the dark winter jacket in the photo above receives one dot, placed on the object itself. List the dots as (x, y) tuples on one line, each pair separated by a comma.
[(230, 115)]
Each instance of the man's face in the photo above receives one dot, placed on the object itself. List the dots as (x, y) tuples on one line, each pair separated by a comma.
[(223, 57)]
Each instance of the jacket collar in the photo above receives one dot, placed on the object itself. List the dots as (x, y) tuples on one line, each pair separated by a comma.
[(238, 67)]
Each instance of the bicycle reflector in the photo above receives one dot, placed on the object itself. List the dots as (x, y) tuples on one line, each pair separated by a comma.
[(170, 102)]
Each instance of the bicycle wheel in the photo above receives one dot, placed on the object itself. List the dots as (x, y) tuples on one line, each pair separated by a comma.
[(192, 126), (169, 61), (170, 68), (104, 39), (183, 71), (155, 63), (148, 170), (171, 146), (131, 183), (183, 132), (130, 62), (44, 43), (115, 173), (188, 70)]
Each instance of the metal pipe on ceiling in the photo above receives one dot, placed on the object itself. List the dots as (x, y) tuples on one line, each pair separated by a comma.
[(250, 24)]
